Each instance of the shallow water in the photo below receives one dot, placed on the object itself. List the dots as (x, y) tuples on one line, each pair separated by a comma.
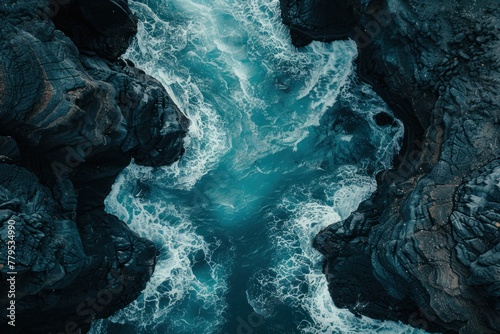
[(282, 143)]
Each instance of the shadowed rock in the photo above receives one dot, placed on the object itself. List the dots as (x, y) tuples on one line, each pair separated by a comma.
[(424, 248), (72, 116)]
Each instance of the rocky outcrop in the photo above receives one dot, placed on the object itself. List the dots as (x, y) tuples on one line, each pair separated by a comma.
[(318, 20), (425, 248), (72, 116)]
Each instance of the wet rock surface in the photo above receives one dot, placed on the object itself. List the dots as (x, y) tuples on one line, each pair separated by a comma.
[(72, 116), (425, 248)]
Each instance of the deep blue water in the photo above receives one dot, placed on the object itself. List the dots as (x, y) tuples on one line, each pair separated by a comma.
[(282, 143)]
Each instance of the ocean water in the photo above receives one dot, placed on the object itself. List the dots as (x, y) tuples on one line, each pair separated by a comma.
[(282, 143)]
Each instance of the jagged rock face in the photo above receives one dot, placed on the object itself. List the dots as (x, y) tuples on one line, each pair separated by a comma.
[(318, 20), (93, 30), (425, 248), (72, 115)]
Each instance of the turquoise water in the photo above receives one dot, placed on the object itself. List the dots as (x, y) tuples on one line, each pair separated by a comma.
[(282, 143)]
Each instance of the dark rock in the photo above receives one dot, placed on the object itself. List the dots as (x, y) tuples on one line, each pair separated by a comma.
[(424, 248), (317, 20), (93, 29), (383, 119), (9, 152), (72, 116)]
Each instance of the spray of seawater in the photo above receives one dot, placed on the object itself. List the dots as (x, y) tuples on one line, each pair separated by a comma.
[(186, 275), (296, 279), (157, 49)]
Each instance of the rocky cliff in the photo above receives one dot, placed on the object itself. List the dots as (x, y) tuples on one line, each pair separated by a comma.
[(425, 248), (72, 115)]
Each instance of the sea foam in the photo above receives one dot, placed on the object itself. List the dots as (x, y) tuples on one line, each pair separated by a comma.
[(254, 150)]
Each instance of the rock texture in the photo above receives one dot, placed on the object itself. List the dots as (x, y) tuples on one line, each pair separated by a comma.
[(425, 248), (72, 116)]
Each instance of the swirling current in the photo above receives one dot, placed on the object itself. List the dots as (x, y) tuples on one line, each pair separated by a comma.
[(282, 143)]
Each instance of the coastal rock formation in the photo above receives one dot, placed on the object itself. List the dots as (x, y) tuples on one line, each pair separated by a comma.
[(425, 248), (72, 115)]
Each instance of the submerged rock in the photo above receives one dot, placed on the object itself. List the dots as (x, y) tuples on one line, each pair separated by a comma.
[(424, 248), (384, 119), (72, 116)]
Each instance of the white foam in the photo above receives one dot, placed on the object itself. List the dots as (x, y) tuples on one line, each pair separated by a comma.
[(98, 327), (249, 94), (343, 191), (351, 187), (174, 285), (156, 50), (297, 265), (366, 103), (254, 53)]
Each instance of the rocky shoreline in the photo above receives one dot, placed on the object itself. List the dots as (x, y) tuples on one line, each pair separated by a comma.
[(72, 116), (425, 248)]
